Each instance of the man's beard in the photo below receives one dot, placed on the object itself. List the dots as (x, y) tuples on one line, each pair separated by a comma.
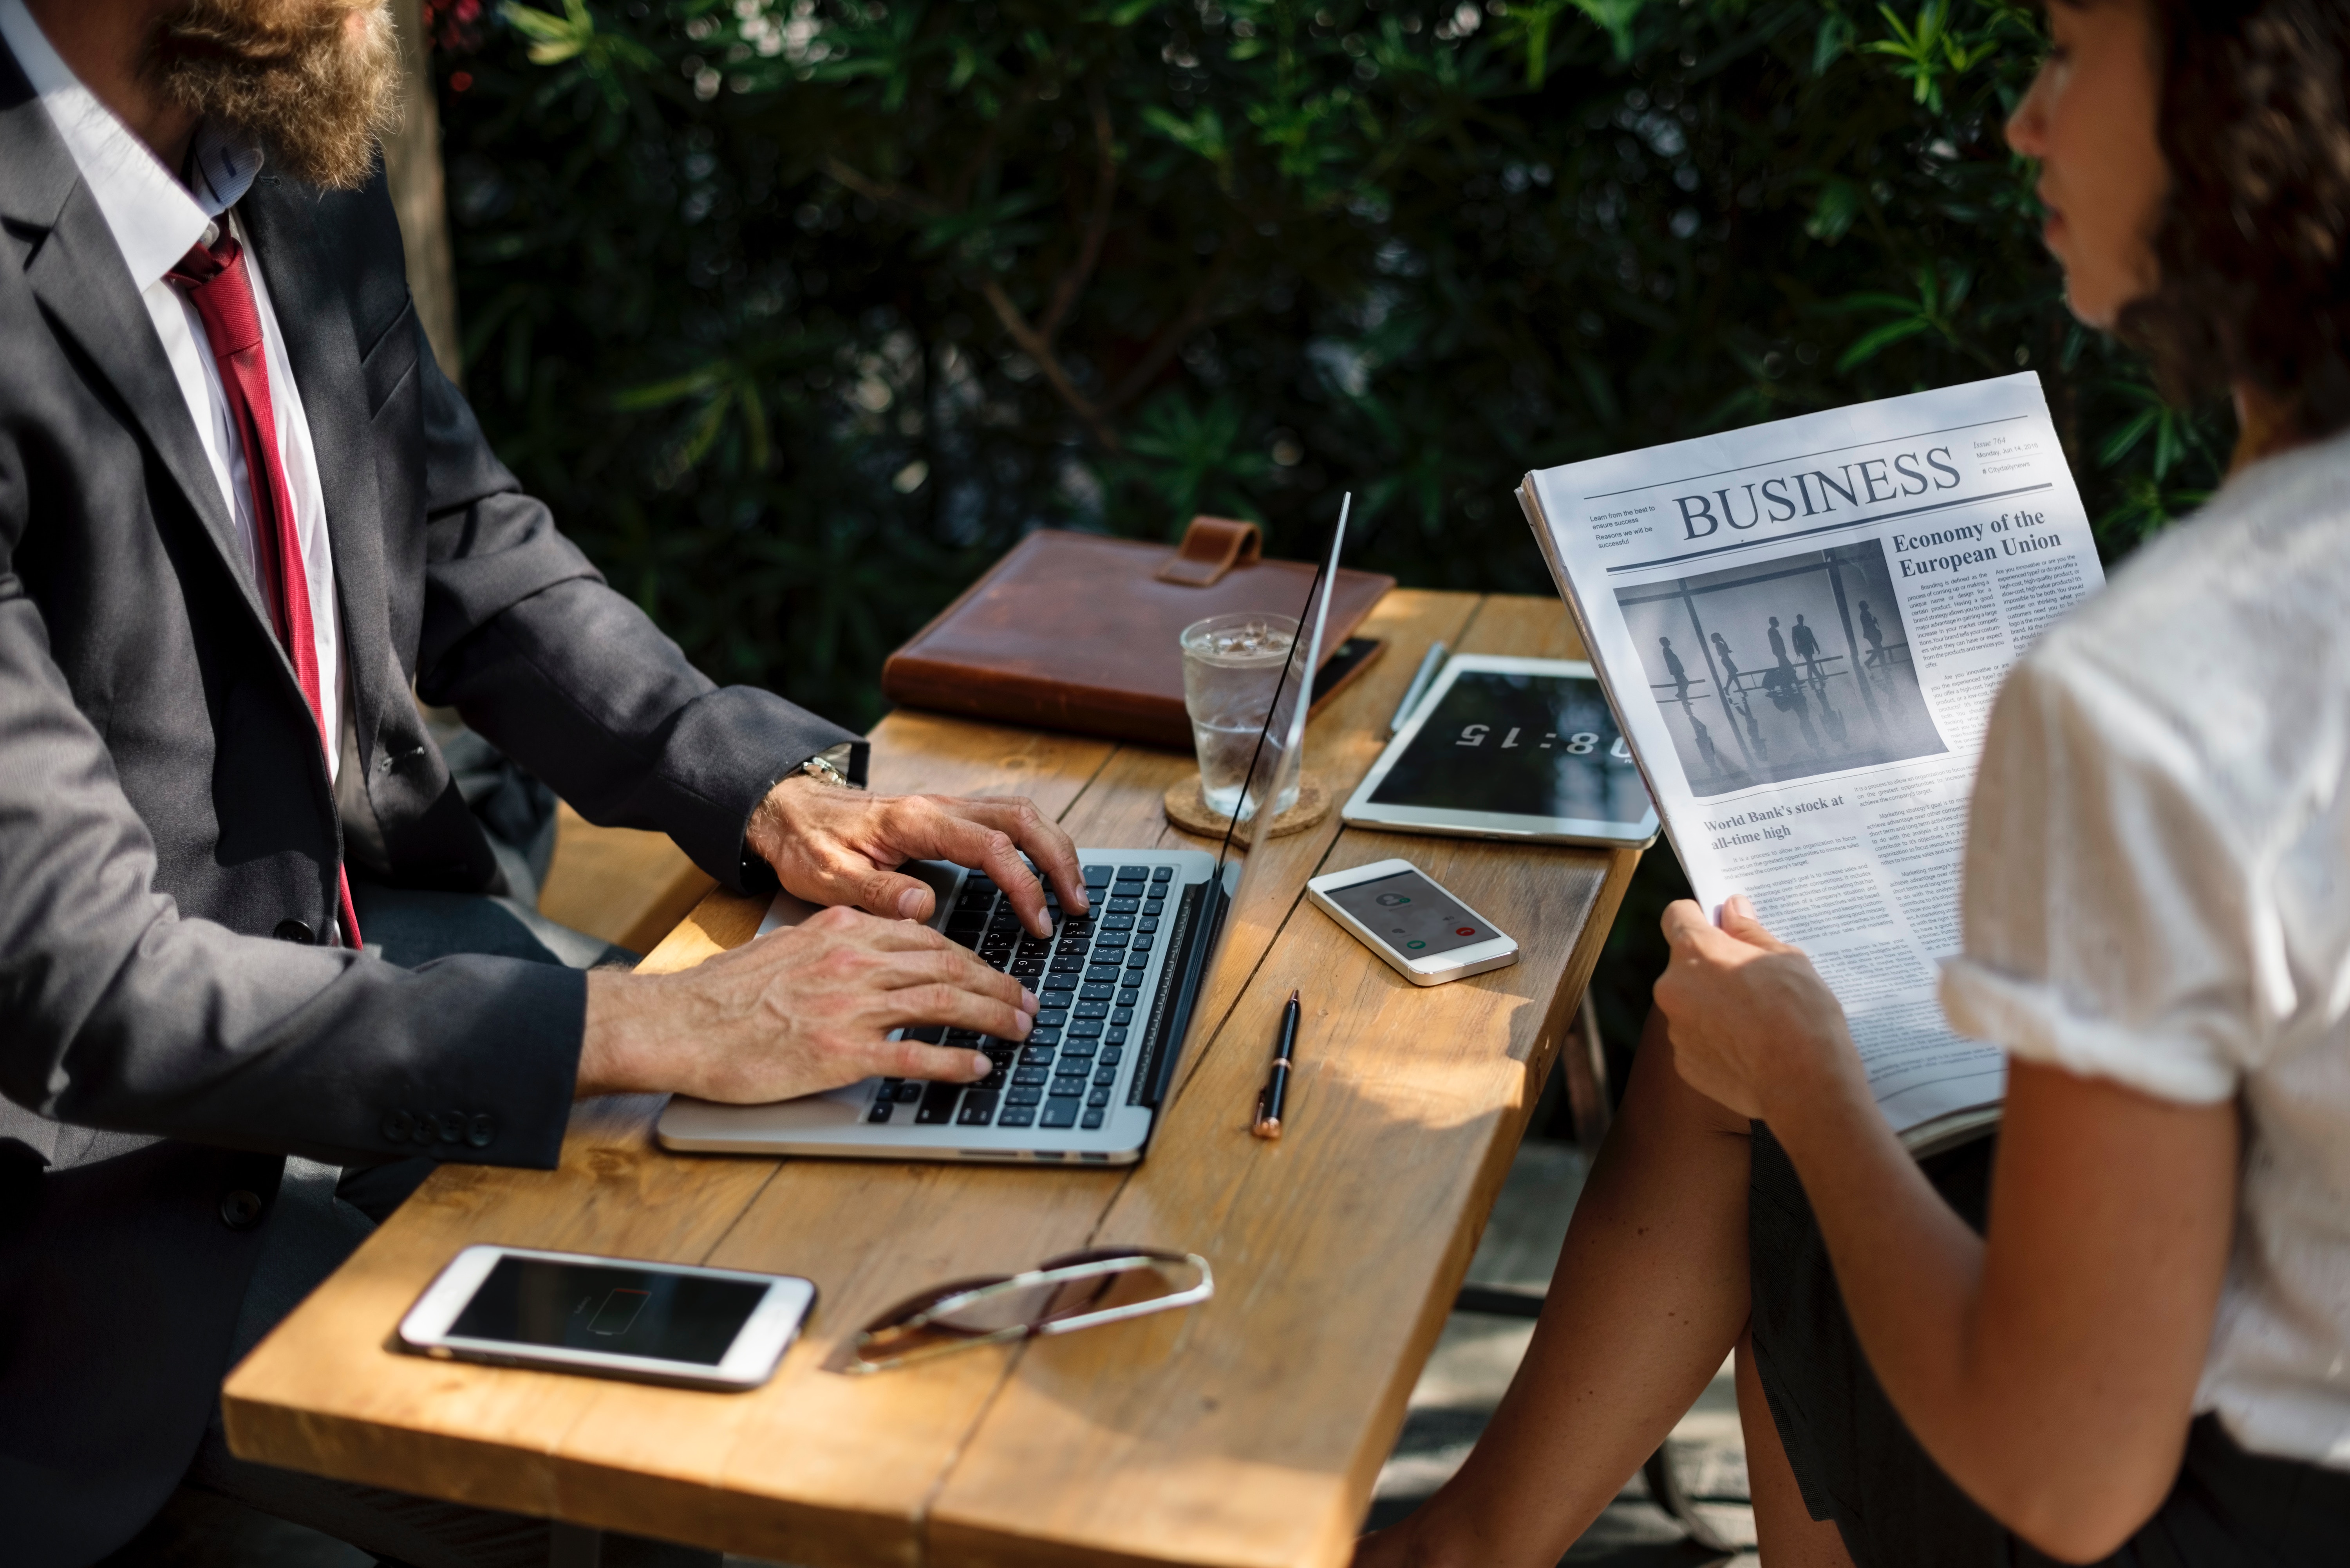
[(293, 75)]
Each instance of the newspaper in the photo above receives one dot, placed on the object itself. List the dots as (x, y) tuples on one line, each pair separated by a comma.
[(1801, 625)]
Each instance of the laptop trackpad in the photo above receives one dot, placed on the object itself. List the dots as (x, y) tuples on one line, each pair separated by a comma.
[(836, 1108)]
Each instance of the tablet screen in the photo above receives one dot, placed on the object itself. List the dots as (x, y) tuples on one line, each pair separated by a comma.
[(1521, 745)]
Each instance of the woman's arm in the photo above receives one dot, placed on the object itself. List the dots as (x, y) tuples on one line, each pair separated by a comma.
[(2051, 1370)]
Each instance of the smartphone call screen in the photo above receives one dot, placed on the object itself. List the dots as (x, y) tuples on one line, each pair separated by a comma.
[(613, 1307), (1412, 915)]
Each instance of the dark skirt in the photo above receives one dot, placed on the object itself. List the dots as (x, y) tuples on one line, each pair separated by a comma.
[(1858, 1464)]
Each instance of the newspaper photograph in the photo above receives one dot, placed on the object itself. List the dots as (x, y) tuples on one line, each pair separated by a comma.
[(1801, 625)]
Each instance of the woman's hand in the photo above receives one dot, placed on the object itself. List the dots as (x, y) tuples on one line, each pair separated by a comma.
[(834, 845), (1423, 1539), (1751, 1020), (1394, 1547)]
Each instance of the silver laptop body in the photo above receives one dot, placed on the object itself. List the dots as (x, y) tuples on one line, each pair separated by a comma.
[(1118, 989)]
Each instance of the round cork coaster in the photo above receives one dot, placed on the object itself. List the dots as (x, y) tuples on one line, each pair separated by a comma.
[(1189, 811)]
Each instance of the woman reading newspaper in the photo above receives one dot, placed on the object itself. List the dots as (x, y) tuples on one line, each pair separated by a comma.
[(2145, 1354)]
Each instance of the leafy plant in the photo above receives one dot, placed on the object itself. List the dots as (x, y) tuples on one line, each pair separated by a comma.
[(801, 311), (921, 274), (1930, 50)]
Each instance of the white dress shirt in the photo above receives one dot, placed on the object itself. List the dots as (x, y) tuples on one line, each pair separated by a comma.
[(2157, 893), (155, 220)]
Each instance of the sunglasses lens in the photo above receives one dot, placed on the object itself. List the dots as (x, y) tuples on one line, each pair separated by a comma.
[(881, 1347), (1143, 1281), (1006, 1308)]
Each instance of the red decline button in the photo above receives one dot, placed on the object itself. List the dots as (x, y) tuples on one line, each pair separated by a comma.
[(1466, 931)]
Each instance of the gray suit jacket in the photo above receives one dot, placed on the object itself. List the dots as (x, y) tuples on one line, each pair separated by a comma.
[(168, 839)]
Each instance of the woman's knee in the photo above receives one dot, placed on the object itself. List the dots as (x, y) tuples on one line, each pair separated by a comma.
[(1656, 1095)]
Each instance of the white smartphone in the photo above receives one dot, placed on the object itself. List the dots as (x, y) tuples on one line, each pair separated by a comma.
[(609, 1317), (1400, 913)]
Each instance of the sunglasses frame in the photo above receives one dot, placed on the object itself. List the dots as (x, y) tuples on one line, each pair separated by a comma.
[(1097, 1264)]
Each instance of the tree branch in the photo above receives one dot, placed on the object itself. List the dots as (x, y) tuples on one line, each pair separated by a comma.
[(1036, 339), (1034, 344), (876, 190), (1164, 347), (1073, 281)]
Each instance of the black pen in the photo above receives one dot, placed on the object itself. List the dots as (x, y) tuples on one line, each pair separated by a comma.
[(1276, 1087)]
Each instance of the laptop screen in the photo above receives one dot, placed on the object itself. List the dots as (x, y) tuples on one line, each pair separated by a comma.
[(1243, 917)]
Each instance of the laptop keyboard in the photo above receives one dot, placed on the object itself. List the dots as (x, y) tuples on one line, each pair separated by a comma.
[(1088, 977)]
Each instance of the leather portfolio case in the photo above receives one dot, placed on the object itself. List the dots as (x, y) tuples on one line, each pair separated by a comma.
[(1077, 631)]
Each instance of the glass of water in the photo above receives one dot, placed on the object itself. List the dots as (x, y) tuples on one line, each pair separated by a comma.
[(1231, 668)]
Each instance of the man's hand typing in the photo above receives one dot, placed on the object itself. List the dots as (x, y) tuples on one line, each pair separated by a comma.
[(834, 845), (796, 1013)]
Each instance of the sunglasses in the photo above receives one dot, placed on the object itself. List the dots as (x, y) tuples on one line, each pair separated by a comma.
[(1060, 1295)]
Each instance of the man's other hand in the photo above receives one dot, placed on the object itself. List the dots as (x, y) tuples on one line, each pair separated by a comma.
[(797, 1012), (835, 845)]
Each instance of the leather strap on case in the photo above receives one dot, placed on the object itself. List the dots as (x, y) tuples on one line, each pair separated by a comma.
[(1212, 547)]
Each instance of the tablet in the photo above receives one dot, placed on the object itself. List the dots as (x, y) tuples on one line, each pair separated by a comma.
[(1510, 748)]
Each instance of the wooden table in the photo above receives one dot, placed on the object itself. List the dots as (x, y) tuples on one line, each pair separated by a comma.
[(1247, 1431)]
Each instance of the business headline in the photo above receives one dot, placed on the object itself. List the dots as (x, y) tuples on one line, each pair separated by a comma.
[(2008, 534), (1813, 491)]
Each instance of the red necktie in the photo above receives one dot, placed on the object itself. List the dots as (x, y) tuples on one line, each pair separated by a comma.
[(218, 288)]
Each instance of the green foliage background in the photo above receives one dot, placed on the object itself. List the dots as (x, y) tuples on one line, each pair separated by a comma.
[(801, 311)]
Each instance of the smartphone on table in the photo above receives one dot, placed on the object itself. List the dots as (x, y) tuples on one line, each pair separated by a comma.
[(1424, 932), (609, 1317)]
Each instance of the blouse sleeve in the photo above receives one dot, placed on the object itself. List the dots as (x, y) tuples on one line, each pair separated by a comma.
[(2108, 921)]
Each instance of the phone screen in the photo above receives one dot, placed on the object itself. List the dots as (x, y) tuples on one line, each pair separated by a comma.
[(622, 1309), (1344, 662), (1412, 915)]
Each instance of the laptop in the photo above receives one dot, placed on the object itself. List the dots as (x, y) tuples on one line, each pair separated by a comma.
[(1119, 990)]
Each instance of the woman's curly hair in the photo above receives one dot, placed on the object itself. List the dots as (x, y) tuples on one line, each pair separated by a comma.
[(2254, 239)]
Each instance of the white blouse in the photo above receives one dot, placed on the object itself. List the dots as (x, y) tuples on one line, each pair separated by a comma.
[(2157, 892)]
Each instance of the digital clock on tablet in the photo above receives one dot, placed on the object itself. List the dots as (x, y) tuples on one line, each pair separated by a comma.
[(1510, 748)]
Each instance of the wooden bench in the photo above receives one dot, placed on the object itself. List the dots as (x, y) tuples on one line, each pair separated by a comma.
[(626, 887)]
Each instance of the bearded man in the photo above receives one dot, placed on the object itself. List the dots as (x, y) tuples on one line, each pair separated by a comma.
[(242, 519)]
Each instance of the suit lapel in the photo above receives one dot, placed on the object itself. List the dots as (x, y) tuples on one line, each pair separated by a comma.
[(314, 316), (76, 273)]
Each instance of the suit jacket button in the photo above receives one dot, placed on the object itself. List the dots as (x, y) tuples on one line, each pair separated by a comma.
[(239, 1209), (294, 931), (481, 1131), (449, 1127), (399, 1127)]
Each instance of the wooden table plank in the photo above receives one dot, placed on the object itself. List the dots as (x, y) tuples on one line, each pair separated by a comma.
[(1244, 1432), (326, 1393), (1523, 625), (492, 1435), (1251, 1435), (787, 1489)]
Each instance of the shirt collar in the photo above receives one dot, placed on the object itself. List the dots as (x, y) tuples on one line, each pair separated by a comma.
[(153, 217)]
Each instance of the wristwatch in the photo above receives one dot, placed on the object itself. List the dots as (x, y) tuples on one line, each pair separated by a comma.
[(821, 769), (841, 766)]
